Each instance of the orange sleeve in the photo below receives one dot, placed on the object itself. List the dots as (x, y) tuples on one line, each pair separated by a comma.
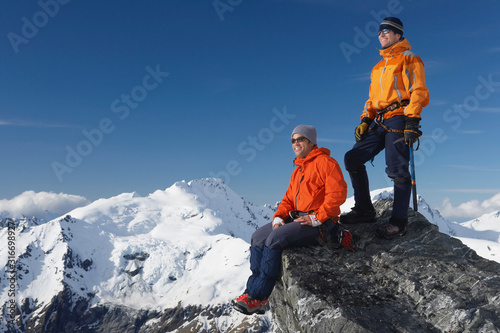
[(286, 203), (368, 111), (414, 80), (335, 190)]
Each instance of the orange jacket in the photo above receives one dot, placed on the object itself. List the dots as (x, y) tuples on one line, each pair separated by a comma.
[(316, 184), (399, 75)]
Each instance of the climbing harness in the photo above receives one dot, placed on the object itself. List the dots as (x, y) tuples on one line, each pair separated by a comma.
[(379, 119)]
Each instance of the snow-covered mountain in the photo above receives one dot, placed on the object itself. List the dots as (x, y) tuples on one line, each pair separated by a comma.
[(482, 235), (186, 245)]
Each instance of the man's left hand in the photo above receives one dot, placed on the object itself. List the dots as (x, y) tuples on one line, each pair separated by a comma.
[(304, 220), (412, 132), (310, 220)]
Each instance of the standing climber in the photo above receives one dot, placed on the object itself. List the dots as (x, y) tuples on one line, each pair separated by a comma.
[(390, 121)]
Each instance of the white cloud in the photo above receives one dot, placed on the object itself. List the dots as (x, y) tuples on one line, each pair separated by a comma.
[(470, 209), (39, 204)]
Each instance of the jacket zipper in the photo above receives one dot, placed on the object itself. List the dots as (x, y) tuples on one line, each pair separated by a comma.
[(380, 79), (298, 191)]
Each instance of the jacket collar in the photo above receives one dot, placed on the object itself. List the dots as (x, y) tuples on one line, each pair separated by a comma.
[(311, 156), (396, 48)]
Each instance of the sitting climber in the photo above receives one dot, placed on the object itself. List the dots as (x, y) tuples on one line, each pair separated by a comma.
[(316, 191)]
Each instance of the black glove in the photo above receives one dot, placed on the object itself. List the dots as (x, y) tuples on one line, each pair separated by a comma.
[(412, 132), (362, 128)]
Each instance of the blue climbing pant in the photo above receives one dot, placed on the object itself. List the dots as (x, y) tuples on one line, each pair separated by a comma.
[(397, 159), (266, 248)]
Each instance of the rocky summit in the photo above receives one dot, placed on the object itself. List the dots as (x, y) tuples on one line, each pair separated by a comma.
[(424, 281)]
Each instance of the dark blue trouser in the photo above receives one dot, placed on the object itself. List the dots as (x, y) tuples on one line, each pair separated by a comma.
[(397, 158), (266, 248)]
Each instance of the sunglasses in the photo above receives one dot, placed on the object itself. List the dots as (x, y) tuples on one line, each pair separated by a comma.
[(299, 139), (384, 31)]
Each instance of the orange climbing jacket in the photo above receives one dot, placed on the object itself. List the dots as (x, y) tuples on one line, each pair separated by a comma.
[(398, 76), (317, 185)]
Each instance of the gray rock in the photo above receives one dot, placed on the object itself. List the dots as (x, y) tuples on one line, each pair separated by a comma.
[(424, 281)]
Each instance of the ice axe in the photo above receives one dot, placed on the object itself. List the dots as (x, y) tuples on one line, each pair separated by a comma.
[(413, 180), (412, 174)]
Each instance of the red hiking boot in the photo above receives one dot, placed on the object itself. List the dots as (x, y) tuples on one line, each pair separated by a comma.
[(250, 306), (240, 298)]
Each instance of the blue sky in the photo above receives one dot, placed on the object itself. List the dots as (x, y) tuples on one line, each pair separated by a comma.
[(104, 97)]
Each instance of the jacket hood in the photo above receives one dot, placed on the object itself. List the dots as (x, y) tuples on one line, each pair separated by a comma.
[(311, 156), (396, 48)]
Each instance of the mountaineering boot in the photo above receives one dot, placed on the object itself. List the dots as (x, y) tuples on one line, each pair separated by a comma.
[(263, 305), (266, 266), (394, 228), (251, 306), (398, 223), (358, 215), (345, 238), (241, 297), (339, 237)]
